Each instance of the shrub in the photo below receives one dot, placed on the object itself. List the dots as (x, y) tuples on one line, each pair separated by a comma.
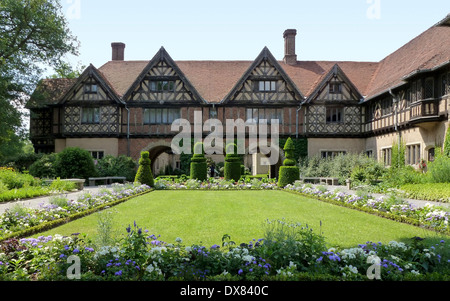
[(367, 172), (61, 186), (74, 162), (15, 180), (439, 169), (286, 242), (342, 166), (232, 168), (121, 166), (289, 173), (439, 192), (44, 167), (398, 155), (23, 161), (199, 167), (144, 174), (446, 149)]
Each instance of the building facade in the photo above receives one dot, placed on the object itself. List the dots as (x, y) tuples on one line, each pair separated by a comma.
[(125, 107)]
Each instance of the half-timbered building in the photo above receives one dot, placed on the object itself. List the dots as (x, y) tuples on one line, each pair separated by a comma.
[(125, 107)]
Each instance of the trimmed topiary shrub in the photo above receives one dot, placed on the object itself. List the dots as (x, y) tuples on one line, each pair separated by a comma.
[(144, 174), (199, 167), (232, 168), (289, 172), (74, 162)]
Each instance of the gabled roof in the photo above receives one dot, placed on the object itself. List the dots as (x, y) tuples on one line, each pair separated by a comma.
[(215, 81), (428, 50), (307, 75), (162, 55), (49, 92), (335, 71), (264, 55), (93, 72)]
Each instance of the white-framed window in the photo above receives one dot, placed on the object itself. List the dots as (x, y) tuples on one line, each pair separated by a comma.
[(161, 116), (329, 154), (412, 154), (90, 115), (97, 155), (267, 86)]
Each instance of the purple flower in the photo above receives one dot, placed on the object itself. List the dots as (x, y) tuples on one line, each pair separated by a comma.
[(76, 250)]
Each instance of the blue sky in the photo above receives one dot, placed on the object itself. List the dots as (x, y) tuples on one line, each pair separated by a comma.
[(357, 30)]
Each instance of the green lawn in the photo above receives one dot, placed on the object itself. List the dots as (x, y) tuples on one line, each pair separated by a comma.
[(205, 216)]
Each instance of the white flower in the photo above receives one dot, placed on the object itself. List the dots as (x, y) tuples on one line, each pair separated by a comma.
[(248, 258)]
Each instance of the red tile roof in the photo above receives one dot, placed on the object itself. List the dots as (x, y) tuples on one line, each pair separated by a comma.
[(428, 50), (215, 79)]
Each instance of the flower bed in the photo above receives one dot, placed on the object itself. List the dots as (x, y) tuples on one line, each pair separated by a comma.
[(216, 184), (431, 216), (20, 220), (287, 252)]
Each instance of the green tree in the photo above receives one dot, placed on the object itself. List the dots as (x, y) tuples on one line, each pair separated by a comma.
[(33, 34)]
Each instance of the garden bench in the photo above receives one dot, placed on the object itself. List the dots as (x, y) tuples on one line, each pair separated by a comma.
[(108, 180), (321, 180), (312, 180), (79, 182), (329, 181)]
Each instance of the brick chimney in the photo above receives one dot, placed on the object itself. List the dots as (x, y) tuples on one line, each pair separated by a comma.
[(118, 51), (290, 57)]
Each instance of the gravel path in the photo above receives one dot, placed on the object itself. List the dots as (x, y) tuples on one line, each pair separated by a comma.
[(417, 203), (37, 202)]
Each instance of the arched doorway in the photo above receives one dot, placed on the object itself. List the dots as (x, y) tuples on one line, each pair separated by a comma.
[(164, 161), (261, 163)]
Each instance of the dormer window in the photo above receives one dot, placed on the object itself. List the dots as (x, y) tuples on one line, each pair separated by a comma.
[(90, 88), (335, 88), (162, 86), (267, 86)]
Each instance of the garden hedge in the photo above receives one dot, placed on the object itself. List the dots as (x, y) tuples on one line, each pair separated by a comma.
[(232, 168), (199, 167)]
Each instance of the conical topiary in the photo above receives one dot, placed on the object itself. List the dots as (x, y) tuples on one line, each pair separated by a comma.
[(199, 167), (289, 172), (232, 168), (144, 174)]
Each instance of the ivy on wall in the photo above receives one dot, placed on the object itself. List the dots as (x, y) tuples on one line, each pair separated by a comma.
[(301, 147)]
